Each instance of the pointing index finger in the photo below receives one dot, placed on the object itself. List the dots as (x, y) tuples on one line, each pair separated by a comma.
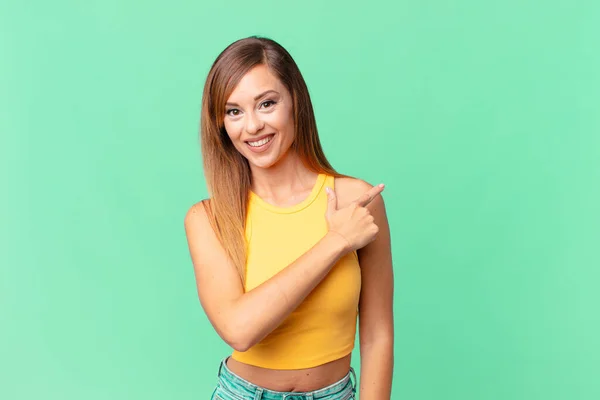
[(370, 195)]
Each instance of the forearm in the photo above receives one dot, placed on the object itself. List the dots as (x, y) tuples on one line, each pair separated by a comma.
[(377, 362), (259, 311)]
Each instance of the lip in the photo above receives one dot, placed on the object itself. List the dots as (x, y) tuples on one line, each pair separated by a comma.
[(259, 138), (262, 148)]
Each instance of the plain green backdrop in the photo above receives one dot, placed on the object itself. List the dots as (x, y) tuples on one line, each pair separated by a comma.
[(481, 117)]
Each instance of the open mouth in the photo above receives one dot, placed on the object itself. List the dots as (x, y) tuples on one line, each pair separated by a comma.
[(262, 144)]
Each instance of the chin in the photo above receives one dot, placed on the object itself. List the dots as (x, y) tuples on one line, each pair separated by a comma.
[(267, 160), (264, 164)]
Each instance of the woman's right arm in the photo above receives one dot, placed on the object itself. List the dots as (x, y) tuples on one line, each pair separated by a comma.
[(244, 319)]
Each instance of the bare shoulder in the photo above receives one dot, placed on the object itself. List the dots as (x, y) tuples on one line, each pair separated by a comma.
[(196, 221), (196, 210), (348, 189)]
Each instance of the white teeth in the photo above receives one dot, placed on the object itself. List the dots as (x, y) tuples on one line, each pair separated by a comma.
[(260, 142)]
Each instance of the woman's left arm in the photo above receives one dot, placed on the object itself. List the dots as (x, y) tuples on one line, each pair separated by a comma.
[(376, 320)]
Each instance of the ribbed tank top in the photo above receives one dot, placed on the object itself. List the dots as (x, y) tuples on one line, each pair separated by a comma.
[(323, 327)]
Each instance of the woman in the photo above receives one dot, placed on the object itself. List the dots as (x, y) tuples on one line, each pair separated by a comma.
[(287, 252)]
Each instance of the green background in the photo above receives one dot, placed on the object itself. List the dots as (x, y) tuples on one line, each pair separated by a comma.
[(481, 117)]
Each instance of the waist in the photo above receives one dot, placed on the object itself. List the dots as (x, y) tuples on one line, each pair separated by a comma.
[(297, 380)]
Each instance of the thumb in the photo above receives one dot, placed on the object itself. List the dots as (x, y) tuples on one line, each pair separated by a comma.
[(331, 201)]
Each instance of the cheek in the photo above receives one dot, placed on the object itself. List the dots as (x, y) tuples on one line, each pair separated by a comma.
[(232, 130), (284, 120)]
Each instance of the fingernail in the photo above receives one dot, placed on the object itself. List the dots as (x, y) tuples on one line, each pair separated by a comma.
[(381, 185), (327, 189)]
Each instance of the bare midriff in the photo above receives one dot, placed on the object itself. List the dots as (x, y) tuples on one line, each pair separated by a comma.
[(296, 380)]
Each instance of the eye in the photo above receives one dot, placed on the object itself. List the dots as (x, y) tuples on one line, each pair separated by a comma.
[(268, 101), (234, 112)]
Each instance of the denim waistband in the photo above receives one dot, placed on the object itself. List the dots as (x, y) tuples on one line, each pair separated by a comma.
[(235, 383)]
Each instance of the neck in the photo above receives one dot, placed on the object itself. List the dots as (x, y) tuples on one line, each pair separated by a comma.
[(284, 180)]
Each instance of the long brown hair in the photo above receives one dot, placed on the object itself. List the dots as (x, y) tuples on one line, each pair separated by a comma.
[(226, 171)]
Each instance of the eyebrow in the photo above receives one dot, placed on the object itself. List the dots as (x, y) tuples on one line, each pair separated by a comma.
[(255, 98)]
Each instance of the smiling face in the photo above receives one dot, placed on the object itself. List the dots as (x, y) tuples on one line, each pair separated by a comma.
[(259, 118)]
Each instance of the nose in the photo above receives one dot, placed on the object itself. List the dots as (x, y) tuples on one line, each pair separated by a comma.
[(253, 123)]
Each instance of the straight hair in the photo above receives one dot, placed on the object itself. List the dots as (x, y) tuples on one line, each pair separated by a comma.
[(226, 170)]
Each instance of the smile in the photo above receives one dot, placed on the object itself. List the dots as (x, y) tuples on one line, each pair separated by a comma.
[(260, 142), (261, 145)]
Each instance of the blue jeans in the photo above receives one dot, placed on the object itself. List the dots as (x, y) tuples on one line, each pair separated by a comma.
[(232, 387)]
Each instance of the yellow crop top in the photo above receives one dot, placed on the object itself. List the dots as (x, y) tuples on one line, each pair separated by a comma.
[(323, 327)]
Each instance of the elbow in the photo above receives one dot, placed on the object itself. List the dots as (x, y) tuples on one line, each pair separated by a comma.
[(239, 329), (382, 341), (240, 346), (238, 338), (239, 343)]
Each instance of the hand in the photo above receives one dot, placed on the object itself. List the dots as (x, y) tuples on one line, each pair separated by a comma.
[(354, 222)]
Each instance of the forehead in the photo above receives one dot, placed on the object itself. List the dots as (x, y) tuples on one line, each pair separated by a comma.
[(256, 81)]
